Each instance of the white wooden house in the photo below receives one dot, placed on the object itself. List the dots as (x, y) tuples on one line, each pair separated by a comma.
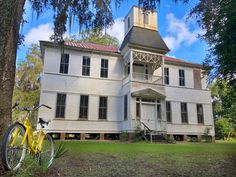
[(102, 89)]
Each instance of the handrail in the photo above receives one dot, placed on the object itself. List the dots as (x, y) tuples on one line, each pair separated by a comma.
[(146, 127), (146, 77)]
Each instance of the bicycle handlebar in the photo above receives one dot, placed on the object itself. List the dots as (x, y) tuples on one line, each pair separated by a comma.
[(16, 106)]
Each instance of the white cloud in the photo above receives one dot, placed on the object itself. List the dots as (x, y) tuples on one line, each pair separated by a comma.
[(117, 29), (169, 55), (41, 32), (179, 32)]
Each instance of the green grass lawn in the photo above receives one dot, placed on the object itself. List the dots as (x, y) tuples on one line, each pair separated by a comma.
[(145, 159), (115, 159)]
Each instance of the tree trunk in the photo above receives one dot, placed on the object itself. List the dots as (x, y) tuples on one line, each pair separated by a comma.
[(11, 12)]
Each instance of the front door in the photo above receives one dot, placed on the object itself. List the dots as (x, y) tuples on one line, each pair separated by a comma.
[(149, 115)]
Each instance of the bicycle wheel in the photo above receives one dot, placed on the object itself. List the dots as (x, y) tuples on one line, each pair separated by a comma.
[(46, 156), (13, 152)]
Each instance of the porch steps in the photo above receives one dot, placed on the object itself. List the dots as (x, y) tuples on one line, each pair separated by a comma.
[(152, 135)]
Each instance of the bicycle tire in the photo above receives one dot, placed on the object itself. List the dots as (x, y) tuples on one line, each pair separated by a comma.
[(11, 152), (47, 144)]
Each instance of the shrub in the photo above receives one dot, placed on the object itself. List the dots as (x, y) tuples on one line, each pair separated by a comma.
[(124, 136), (223, 127), (170, 139)]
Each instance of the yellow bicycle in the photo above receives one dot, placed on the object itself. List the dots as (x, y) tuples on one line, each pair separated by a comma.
[(20, 139)]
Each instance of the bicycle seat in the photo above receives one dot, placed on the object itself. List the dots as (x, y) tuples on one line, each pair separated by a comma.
[(41, 121)]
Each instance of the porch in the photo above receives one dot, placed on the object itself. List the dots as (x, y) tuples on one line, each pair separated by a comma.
[(143, 67), (150, 110)]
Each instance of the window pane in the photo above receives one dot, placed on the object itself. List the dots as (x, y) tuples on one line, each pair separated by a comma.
[(166, 75), (181, 77), (200, 116), (84, 100), (64, 63), (137, 109), (60, 107), (158, 111), (145, 18), (125, 107), (184, 113), (104, 68), (86, 66), (102, 108), (168, 111)]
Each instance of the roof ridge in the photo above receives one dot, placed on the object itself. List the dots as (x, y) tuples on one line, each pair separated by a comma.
[(93, 43)]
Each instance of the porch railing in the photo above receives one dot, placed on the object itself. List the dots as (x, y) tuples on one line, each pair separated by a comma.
[(149, 78)]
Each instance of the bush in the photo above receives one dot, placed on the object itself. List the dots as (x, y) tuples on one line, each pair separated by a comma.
[(124, 136), (170, 139), (223, 127)]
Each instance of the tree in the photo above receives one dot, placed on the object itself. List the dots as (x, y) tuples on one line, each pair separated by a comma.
[(88, 14), (224, 104), (27, 81), (224, 108), (223, 128), (95, 36), (218, 19)]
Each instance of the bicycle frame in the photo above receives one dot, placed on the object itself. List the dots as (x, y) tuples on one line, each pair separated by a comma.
[(35, 145)]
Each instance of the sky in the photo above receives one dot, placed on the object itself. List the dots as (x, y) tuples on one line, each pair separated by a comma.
[(179, 33)]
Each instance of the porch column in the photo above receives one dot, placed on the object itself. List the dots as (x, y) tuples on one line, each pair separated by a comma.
[(62, 136), (82, 136), (162, 69), (131, 65)]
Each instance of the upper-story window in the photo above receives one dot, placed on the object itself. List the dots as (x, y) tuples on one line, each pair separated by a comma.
[(128, 22), (166, 76), (104, 68), (181, 77), (197, 78), (102, 107), (64, 63), (200, 117), (146, 72), (145, 18), (86, 66), (184, 112), (61, 105)]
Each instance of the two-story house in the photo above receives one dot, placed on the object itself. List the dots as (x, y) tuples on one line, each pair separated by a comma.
[(105, 90)]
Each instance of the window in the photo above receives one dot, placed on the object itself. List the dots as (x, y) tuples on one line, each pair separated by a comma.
[(138, 110), (200, 117), (64, 63), (86, 66), (102, 107), (128, 21), (158, 111), (168, 111), (166, 76), (145, 18), (83, 111), (61, 104), (104, 68), (125, 107), (197, 78), (181, 77), (184, 112), (128, 68), (146, 72)]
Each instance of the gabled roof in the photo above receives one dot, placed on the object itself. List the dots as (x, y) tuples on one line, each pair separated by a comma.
[(148, 92), (146, 38), (114, 50), (93, 46), (175, 60)]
